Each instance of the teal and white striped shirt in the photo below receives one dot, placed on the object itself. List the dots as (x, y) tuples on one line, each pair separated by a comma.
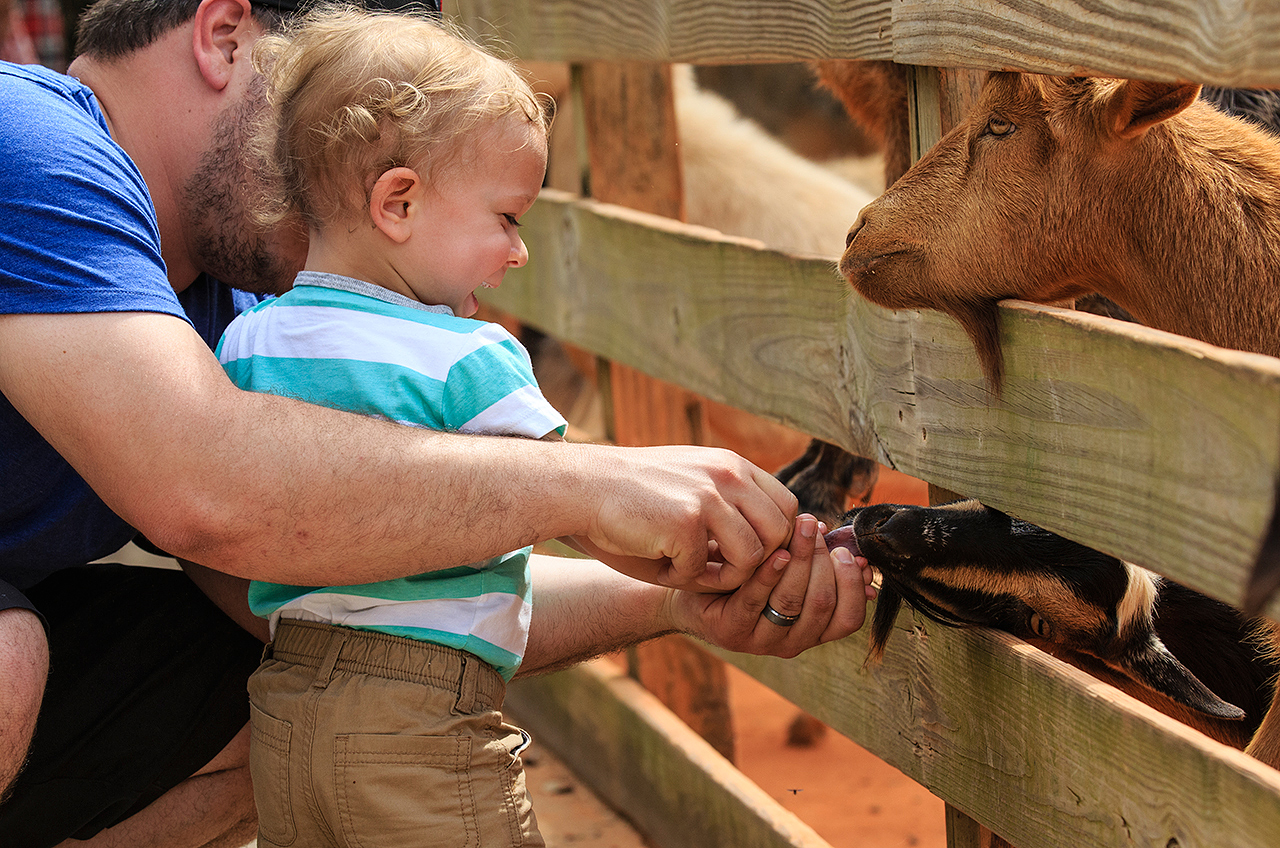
[(346, 344)]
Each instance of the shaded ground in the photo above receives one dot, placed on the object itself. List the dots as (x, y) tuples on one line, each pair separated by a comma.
[(850, 797)]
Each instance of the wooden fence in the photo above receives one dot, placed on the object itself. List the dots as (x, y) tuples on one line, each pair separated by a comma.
[(1154, 448)]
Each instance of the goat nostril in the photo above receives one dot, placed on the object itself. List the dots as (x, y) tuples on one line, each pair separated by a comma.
[(853, 231)]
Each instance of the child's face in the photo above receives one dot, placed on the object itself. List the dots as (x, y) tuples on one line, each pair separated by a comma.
[(471, 237)]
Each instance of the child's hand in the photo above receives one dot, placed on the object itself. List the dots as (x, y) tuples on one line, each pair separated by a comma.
[(659, 572)]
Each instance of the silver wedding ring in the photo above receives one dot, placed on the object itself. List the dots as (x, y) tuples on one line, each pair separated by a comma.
[(772, 615)]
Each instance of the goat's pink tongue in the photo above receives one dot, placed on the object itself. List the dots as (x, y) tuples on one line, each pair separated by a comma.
[(843, 537)]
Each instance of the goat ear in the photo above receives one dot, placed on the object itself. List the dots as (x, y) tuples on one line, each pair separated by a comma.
[(1154, 667), (1136, 105)]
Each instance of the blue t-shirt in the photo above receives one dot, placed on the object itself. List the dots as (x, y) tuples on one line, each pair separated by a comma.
[(78, 233)]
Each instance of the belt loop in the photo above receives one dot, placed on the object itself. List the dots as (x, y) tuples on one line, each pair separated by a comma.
[(466, 702), (324, 674)]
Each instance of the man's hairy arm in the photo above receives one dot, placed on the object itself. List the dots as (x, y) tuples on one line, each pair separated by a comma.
[(274, 489), (583, 608)]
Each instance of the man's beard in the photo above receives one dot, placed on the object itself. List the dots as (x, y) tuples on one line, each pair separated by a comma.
[(225, 242)]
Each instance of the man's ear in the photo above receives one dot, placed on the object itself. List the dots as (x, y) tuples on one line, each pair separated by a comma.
[(393, 202), (224, 33)]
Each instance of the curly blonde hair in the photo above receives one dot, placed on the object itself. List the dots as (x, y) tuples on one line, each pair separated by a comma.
[(353, 93)]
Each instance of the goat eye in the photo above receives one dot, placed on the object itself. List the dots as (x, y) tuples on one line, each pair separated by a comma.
[(1039, 626), (999, 126)]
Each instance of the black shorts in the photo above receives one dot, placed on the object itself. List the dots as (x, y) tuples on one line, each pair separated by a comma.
[(147, 683)]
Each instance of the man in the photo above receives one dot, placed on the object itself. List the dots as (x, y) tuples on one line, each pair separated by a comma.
[(116, 416)]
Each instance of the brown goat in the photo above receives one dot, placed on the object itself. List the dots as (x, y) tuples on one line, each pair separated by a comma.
[(1056, 188)]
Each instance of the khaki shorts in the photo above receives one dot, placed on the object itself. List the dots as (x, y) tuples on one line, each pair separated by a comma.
[(365, 739)]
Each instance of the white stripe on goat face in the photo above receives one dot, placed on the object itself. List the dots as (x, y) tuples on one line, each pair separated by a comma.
[(1136, 611)]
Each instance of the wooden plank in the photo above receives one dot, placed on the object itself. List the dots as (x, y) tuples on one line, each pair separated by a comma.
[(632, 144), (938, 100), (1219, 42), (643, 760), (1225, 43), (1028, 746), (707, 31), (1155, 448)]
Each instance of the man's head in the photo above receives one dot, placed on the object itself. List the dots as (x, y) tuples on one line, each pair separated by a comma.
[(190, 142), (112, 29)]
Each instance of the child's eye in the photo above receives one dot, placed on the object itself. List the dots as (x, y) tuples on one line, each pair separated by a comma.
[(511, 219)]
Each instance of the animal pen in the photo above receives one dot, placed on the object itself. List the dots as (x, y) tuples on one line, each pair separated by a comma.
[(1154, 448)]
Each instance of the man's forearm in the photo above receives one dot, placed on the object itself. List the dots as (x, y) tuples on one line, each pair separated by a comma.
[(266, 487), (582, 609), (273, 489), (354, 500)]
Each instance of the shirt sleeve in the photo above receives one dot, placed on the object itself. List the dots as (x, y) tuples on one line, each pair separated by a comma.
[(88, 239), (492, 390)]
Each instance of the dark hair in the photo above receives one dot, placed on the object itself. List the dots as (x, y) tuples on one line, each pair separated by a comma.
[(111, 29), (1260, 106)]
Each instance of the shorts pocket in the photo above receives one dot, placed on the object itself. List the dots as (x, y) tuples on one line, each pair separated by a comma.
[(269, 740), (391, 790)]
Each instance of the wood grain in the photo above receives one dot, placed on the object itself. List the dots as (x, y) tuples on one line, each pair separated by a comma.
[(1028, 746), (1219, 42)]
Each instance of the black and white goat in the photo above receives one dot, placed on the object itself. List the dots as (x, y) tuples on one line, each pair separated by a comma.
[(1186, 654)]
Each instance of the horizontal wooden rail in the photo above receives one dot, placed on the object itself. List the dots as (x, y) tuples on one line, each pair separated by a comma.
[(1040, 752), (1155, 448), (1036, 750), (1220, 42)]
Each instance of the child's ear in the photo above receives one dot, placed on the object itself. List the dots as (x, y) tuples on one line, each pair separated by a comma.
[(393, 202)]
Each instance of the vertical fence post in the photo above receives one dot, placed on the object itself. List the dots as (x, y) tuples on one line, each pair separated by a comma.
[(629, 116), (937, 101)]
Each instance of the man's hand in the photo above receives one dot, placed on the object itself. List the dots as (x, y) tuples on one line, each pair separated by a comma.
[(826, 592), (677, 505), (583, 608)]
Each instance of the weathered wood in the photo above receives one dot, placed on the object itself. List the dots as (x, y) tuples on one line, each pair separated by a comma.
[(1028, 746), (1155, 448), (640, 758), (714, 31), (1220, 42), (631, 140), (632, 145)]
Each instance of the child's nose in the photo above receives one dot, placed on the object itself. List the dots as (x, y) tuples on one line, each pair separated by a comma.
[(519, 254)]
